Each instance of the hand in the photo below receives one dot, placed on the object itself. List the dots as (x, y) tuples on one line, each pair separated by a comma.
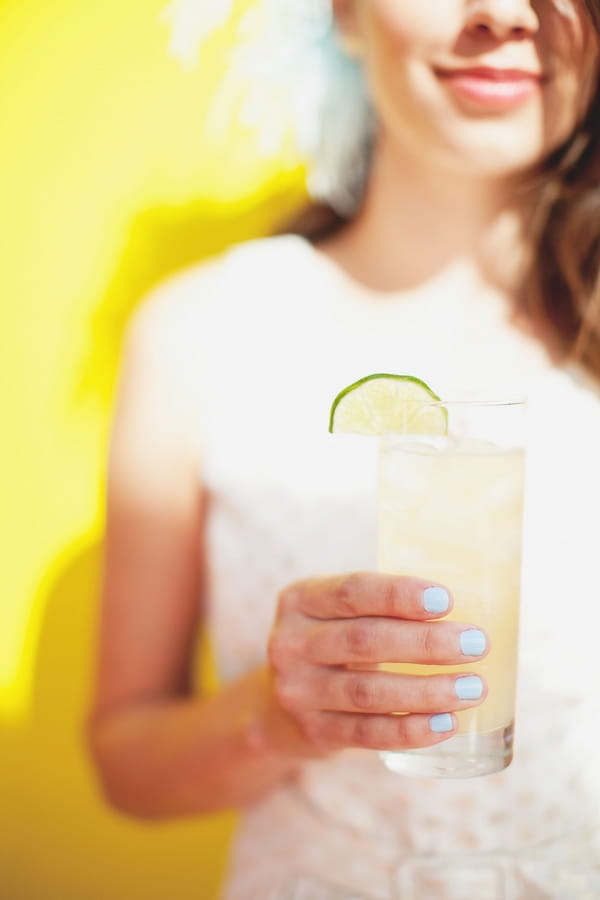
[(330, 634)]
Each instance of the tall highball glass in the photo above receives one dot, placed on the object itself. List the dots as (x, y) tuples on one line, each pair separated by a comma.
[(450, 508)]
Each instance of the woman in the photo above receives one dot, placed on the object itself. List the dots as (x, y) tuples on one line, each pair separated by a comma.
[(472, 257)]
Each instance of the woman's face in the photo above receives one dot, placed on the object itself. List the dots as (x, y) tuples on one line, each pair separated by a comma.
[(486, 86)]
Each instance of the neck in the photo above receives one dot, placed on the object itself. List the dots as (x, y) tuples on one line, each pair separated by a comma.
[(418, 223)]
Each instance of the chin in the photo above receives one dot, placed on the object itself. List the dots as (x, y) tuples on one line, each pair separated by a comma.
[(502, 153), (495, 166)]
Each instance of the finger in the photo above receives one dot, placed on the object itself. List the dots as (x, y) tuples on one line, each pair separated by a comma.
[(385, 692), (369, 594), (373, 732), (374, 640)]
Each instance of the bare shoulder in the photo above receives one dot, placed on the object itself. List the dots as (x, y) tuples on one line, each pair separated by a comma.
[(179, 303), (161, 348), (175, 325), (167, 317), (173, 316)]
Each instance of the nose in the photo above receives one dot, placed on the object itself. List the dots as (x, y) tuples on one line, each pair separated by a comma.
[(502, 19)]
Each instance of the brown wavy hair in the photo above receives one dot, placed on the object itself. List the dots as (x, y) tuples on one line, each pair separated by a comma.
[(560, 296), (562, 287)]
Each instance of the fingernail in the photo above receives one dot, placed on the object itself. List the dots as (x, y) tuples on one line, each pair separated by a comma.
[(442, 723), (436, 600), (470, 687), (473, 642)]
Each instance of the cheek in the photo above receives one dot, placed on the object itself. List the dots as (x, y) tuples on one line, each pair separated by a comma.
[(400, 26), (399, 36)]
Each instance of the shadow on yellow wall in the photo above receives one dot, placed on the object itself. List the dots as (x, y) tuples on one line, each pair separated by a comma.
[(61, 841)]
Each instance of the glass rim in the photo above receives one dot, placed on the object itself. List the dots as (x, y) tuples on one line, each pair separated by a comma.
[(515, 401)]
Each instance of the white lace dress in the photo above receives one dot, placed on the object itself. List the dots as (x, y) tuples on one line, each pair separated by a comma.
[(280, 336)]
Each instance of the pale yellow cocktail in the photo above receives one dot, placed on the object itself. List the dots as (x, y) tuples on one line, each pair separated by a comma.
[(450, 509)]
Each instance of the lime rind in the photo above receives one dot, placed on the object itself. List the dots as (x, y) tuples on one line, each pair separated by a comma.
[(387, 403)]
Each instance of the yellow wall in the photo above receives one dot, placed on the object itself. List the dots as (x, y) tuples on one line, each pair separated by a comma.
[(107, 183)]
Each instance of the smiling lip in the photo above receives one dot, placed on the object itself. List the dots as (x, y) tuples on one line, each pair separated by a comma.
[(492, 88)]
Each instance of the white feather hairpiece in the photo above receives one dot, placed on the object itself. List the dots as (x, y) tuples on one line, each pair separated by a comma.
[(192, 21), (295, 73)]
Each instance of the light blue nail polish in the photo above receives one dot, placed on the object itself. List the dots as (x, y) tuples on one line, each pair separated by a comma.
[(442, 723), (436, 600), (469, 687), (473, 642)]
